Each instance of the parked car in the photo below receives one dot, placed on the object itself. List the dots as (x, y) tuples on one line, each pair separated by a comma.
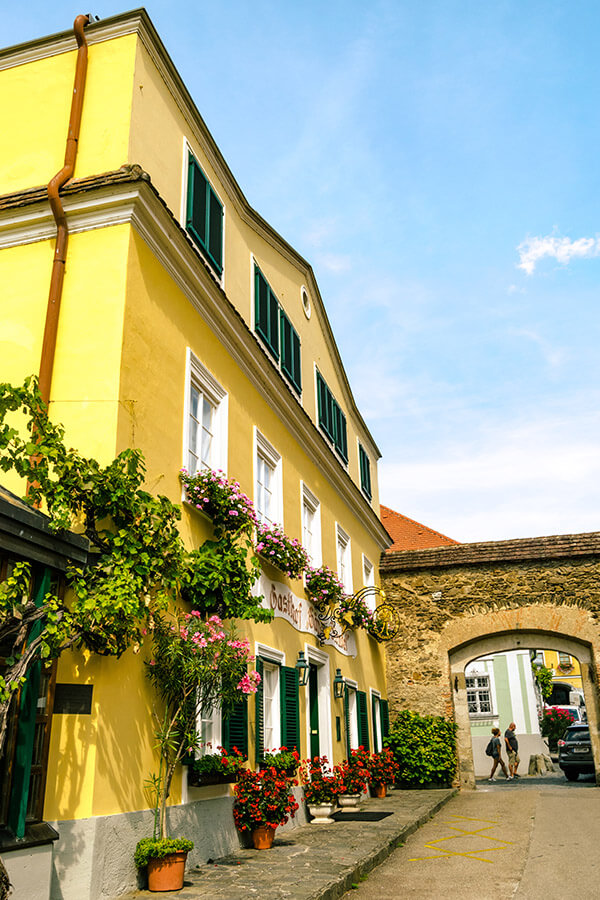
[(575, 752)]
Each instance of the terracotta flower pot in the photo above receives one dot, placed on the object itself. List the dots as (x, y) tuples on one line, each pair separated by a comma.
[(379, 790), (166, 873), (262, 837)]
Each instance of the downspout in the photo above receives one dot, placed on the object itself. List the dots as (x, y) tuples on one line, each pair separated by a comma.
[(62, 231)]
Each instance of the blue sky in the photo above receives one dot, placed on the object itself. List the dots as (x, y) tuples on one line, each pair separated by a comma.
[(437, 162)]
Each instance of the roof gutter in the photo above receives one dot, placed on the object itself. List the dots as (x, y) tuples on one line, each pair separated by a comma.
[(62, 231)]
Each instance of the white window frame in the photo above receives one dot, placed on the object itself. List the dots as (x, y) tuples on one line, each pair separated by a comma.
[(322, 660), (269, 454), (187, 148), (343, 549), (376, 721), (310, 502), (275, 658), (215, 719), (352, 690), (479, 713), (198, 375), (369, 581)]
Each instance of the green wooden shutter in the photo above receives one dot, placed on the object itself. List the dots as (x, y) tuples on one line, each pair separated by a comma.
[(259, 747), (290, 352), (266, 316), (215, 230), (365, 471), (290, 712), (347, 718), (197, 193), (17, 811), (385, 718), (204, 215), (363, 720), (234, 730)]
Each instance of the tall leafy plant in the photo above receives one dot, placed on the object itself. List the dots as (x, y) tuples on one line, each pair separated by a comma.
[(197, 666), (136, 559), (424, 748)]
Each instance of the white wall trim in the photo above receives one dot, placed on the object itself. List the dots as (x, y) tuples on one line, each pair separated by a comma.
[(322, 660)]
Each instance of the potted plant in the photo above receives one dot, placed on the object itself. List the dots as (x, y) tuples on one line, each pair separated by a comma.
[(263, 801), (284, 761), (221, 500), (197, 666), (321, 789), (165, 860), (323, 587), (353, 776), (286, 554), (383, 769), (216, 768), (355, 613)]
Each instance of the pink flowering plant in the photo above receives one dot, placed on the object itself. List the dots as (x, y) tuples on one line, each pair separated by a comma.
[(221, 500), (355, 613), (286, 554), (197, 665), (324, 587)]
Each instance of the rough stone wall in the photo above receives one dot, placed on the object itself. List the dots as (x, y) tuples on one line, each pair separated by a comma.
[(445, 606)]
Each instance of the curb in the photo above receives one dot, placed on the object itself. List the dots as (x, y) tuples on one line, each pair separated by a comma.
[(376, 856)]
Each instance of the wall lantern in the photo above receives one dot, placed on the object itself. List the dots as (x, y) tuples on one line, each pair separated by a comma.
[(339, 684), (303, 669)]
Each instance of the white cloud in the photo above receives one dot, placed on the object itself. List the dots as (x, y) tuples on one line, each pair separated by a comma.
[(563, 249), (532, 479)]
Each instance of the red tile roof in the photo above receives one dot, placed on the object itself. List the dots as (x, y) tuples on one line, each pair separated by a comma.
[(410, 535)]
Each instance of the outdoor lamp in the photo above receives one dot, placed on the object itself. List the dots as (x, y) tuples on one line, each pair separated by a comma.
[(303, 670), (338, 685)]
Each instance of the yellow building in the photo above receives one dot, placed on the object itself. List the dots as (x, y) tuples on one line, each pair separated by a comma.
[(190, 329), (566, 675)]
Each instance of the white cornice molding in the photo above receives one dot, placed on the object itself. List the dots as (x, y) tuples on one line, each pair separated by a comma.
[(138, 22), (138, 204)]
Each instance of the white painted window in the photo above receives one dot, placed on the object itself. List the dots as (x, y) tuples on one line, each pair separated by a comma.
[(344, 559), (479, 696), (376, 713), (539, 658), (271, 706), (353, 718), (206, 419), (564, 659), (369, 581), (268, 492), (208, 724), (311, 526)]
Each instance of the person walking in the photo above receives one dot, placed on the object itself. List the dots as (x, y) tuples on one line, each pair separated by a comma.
[(512, 748), (497, 755)]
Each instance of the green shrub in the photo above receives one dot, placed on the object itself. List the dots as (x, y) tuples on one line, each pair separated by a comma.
[(424, 748), (148, 848)]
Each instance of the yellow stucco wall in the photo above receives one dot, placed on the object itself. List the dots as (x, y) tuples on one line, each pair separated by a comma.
[(119, 381), (36, 104)]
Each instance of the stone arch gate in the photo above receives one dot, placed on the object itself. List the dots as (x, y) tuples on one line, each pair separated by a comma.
[(458, 602)]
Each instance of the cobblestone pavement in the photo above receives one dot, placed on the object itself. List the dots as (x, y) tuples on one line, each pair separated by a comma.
[(312, 862)]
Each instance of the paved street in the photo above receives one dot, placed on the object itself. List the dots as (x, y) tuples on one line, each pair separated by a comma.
[(527, 840)]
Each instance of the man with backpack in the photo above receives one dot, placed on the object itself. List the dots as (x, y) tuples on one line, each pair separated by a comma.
[(493, 749), (512, 747)]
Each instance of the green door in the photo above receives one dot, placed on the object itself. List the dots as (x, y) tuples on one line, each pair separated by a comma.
[(313, 703)]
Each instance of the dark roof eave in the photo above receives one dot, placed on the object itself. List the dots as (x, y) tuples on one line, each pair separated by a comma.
[(558, 546)]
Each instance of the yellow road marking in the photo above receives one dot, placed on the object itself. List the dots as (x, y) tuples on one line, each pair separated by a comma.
[(453, 825)]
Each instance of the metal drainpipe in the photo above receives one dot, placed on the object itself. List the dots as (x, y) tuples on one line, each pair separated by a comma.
[(62, 231)]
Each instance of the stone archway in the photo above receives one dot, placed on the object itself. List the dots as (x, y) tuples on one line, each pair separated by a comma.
[(459, 602)]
